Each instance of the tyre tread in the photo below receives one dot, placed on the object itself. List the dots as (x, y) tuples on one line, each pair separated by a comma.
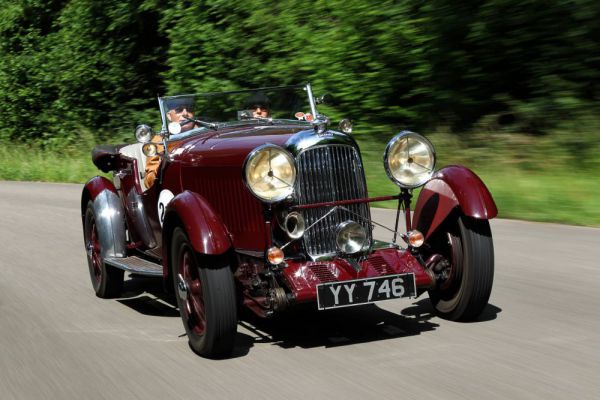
[(219, 296), (478, 271)]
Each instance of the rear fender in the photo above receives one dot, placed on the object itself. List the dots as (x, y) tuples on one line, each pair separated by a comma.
[(110, 216), (451, 187), (205, 229)]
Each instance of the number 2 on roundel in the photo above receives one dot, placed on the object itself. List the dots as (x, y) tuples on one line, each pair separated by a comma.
[(164, 199), (161, 213)]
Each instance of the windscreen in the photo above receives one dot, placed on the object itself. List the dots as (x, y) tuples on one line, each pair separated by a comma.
[(264, 105)]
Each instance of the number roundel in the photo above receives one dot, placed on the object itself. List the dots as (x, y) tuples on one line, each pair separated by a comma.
[(164, 198)]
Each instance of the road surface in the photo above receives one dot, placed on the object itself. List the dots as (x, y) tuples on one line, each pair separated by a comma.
[(539, 338)]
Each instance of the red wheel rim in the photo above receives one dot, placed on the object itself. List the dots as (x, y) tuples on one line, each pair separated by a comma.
[(454, 271), (95, 253), (193, 305)]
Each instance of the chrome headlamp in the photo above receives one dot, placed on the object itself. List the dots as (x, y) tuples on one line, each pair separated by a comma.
[(270, 173), (409, 159)]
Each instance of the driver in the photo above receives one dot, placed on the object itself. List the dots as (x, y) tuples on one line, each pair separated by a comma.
[(259, 104), (180, 110), (182, 113)]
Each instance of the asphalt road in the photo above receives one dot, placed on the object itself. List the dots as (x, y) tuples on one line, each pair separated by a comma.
[(538, 339)]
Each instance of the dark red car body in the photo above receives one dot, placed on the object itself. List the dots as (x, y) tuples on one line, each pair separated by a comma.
[(211, 203)]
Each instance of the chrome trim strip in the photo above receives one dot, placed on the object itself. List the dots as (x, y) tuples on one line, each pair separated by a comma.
[(307, 139)]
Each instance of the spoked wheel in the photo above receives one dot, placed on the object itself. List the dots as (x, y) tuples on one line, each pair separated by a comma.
[(206, 297), (106, 280), (464, 268)]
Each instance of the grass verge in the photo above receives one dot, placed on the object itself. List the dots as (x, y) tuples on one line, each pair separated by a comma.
[(537, 187), (25, 163), (529, 181)]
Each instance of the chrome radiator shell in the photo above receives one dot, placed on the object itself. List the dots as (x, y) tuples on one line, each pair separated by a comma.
[(327, 173)]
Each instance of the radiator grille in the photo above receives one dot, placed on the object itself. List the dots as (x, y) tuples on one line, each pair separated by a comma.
[(322, 273), (379, 264), (330, 173)]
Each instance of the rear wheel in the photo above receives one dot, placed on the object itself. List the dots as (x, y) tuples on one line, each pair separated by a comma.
[(106, 280), (465, 270), (206, 296)]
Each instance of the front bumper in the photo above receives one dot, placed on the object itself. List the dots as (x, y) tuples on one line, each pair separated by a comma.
[(302, 278)]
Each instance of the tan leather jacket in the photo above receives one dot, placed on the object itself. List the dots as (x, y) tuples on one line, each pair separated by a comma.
[(152, 164)]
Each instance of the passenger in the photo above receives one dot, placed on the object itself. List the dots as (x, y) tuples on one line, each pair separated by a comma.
[(180, 110), (259, 104)]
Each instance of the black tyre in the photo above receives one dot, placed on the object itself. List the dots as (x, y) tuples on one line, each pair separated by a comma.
[(106, 280), (206, 297), (465, 272)]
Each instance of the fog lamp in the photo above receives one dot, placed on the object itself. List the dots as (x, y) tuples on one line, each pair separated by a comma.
[(350, 237), (275, 255), (149, 149), (415, 238), (143, 133)]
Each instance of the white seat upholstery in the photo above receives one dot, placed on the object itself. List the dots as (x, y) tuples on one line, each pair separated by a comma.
[(135, 151)]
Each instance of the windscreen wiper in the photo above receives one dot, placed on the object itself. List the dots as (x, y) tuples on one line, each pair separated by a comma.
[(205, 124)]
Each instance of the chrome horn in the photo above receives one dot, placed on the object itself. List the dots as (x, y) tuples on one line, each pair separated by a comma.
[(294, 225)]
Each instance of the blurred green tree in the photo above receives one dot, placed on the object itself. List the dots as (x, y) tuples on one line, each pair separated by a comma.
[(97, 65), (77, 65)]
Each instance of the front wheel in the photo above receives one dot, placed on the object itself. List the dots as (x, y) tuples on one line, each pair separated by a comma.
[(106, 280), (465, 270), (206, 297)]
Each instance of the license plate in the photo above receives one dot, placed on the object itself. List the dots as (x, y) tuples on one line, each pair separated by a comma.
[(362, 291)]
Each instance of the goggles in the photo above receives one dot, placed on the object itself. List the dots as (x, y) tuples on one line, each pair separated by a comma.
[(179, 109)]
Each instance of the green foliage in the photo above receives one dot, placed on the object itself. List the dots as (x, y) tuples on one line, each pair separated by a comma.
[(71, 66), (504, 85), (525, 182), (97, 65), (547, 193), (370, 57)]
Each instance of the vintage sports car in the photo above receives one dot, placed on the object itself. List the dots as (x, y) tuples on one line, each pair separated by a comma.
[(270, 209)]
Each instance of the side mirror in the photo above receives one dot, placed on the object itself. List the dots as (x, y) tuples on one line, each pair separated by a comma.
[(326, 99), (345, 126), (174, 128), (143, 133)]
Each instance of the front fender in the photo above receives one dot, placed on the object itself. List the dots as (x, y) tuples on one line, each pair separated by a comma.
[(451, 187), (109, 213), (205, 229)]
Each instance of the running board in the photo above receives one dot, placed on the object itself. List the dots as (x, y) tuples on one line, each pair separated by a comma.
[(136, 265)]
